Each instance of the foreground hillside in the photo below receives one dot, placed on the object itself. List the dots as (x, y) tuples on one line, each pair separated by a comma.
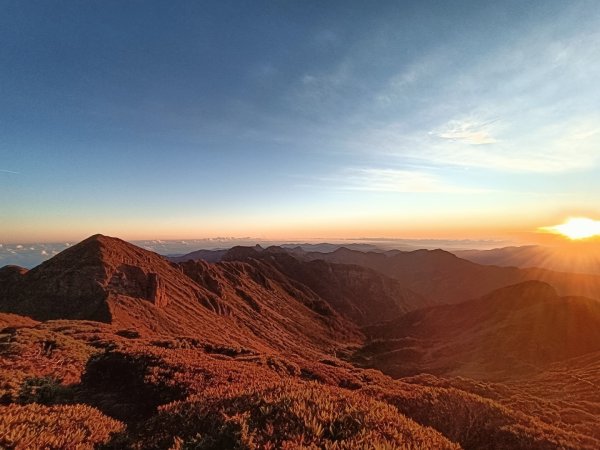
[(110, 346), (165, 393)]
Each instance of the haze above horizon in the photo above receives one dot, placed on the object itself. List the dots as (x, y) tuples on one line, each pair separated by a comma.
[(146, 120)]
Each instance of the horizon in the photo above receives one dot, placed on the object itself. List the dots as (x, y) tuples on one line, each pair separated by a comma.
[(577, 252), (298, 120), (31, 254)]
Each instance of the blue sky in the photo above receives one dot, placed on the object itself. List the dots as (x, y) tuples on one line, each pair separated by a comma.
[(292, 119)]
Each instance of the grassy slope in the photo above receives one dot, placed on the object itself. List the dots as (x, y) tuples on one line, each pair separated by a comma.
[(244, 397)]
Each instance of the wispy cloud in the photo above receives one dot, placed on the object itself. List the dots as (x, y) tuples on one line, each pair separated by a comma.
[(394, 180), (557, 147), (320, 93), (10, 171), (529, 106), (466, 131)]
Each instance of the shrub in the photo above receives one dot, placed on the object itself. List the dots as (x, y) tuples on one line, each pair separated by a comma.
[(283, 415), (475, 422), (129, 386), (54, 427), (44, 390), (129, 334)]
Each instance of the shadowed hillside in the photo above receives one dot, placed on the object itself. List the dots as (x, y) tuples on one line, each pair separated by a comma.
[(360, 294), (576, 258), (510, 332)]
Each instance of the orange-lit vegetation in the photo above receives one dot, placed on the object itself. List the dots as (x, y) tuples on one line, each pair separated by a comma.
[(286, 414), (258, 353), (182, 393), (54, 427)]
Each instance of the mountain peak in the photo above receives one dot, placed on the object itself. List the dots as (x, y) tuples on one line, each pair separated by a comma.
[(522, 294), (240, 253), (99, 251), (77, 282)]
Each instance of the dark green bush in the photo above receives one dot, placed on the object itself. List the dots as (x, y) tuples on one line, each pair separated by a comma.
[(44, 390), (129, 386)]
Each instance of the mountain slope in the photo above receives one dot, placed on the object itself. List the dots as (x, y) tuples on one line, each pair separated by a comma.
[(574, 257), (176, 392), (443, 277), (509, 332), (362, 295), (112, 281)]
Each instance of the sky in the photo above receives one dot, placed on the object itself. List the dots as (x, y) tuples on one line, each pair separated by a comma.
[(297, 119)]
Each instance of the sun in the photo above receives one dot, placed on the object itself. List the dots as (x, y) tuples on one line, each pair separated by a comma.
[(576, 228)]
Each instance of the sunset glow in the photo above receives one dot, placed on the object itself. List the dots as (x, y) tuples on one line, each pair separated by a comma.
[(424, 129), (577, 228)]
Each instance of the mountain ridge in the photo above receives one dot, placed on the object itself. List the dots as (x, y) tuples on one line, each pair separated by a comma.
[(511, 331)]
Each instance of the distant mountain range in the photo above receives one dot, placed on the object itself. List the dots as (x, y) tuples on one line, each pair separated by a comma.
[(439, 275), (291, 345), (576, 258)]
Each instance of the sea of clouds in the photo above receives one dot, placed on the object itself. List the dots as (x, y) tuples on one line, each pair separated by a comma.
[(30, 255)]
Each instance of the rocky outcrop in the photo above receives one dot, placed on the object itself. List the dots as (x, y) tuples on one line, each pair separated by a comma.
[(135, 282)]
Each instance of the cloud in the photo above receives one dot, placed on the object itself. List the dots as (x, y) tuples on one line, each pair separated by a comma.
[(527, 106), (466, 131), (502, 145), (402, 84), (10, 171), (323, 93), (395, 180)]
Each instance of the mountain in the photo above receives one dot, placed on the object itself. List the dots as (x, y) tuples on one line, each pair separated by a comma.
[(252, 297), (109, 280), (325, 247), (359, 294), (294, 249), (510, 332), (112, 346), (204, 255), (576, 258), (445, 278), (362, 295)]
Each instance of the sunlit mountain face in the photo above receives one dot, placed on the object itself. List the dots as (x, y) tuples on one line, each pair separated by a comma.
[(300, 225)]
